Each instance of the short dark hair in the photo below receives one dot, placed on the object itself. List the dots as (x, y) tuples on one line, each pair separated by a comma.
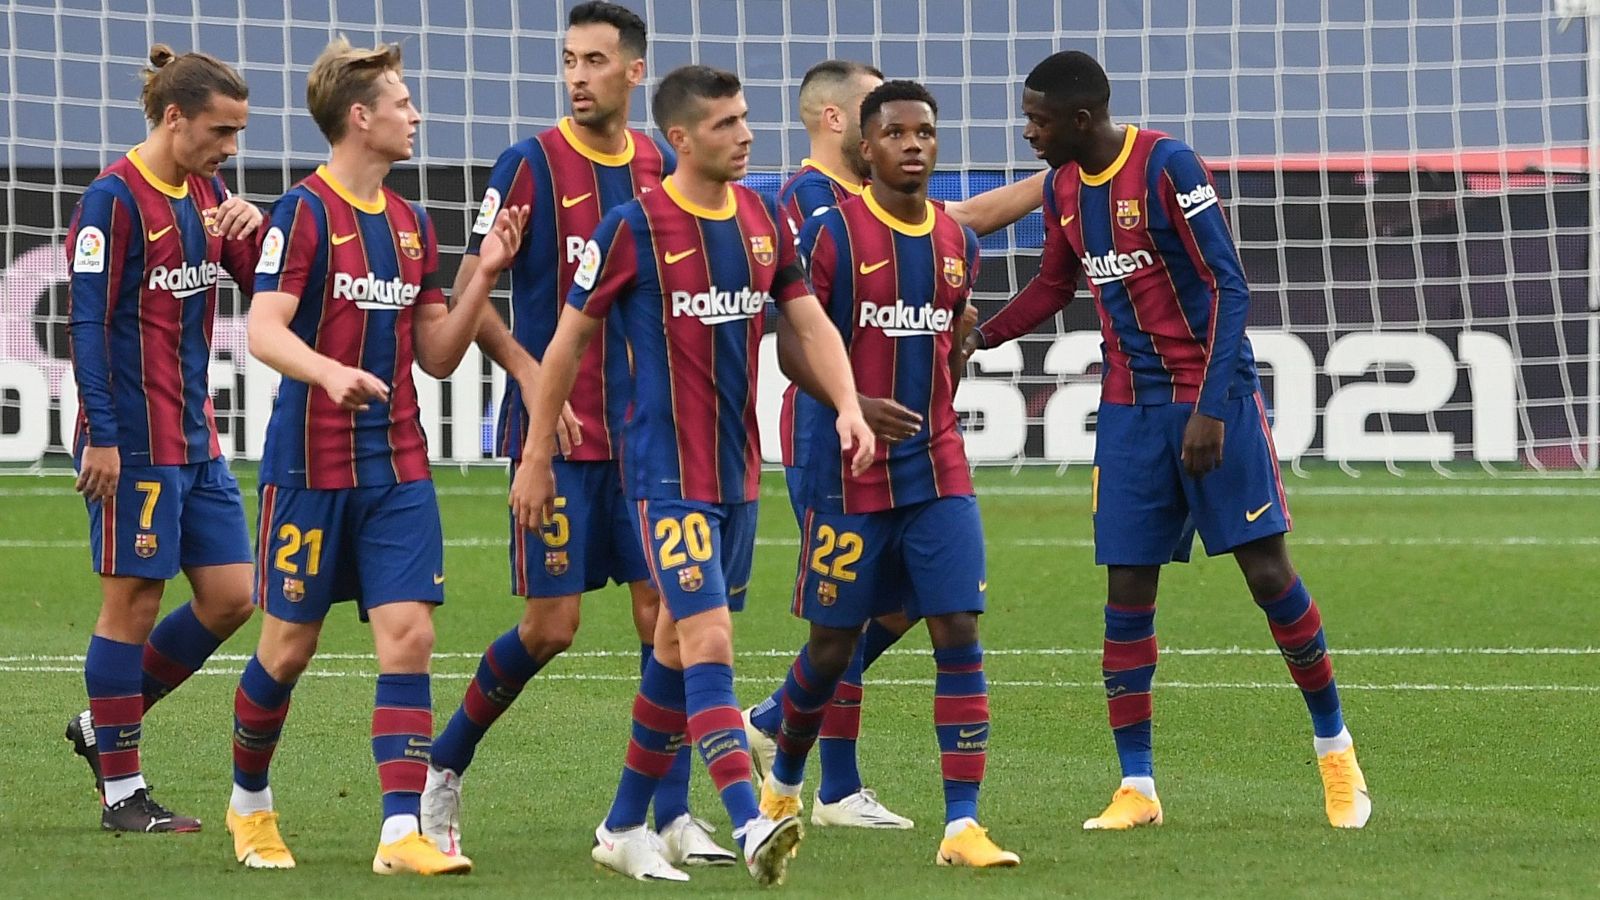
[(838, 70), (626, 21), (889, 92), (1072, 78), (683, 89)]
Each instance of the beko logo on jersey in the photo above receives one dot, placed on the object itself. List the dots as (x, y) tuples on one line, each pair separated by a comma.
[(371, 292), (902, 319), (185, 281), (1200, 198), (1115, 266), (714, 307)]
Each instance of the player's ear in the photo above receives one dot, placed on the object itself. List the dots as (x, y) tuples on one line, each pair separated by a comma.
[(170, 116), (678, 138), (636, 73), (833, 117)]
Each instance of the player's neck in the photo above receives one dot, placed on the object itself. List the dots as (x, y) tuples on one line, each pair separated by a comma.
[(157, 156), (909, 207), (707, 193), (1108, 140), (609, 137), (831, 158), (358, 171)]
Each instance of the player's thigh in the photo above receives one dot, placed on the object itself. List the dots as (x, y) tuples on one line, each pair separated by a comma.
[(139, 531), (554, 560), (941, 544), (303, 555), (685, 546), (212, 517), (402, 635), (847, 564), (1242, 500), (1137, 498), (399, 548)]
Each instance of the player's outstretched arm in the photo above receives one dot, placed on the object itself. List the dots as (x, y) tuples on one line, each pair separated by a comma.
[(533, 489), (274, 343), (442, 332), (1047, 294), (823, 352), (998, 207)]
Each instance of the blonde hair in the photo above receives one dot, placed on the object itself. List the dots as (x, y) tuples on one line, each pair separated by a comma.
[(342, 76), (187, 80)]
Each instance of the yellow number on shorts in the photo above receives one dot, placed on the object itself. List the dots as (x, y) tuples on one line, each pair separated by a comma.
[(849, 546), (293, 539), (557, 529), (693, 534), (152, 492)]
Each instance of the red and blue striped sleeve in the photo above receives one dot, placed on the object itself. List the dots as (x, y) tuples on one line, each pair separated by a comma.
[(290, 248), (817, 252), (608, 267), (239, 255), (1190, 199), (432, 280), (1050, 290), (974, 258), (100, 242), (510, 184)]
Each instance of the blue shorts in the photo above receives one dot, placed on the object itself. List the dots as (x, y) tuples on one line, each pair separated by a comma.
[(373, 545), (1147, 508), (699, 553), (925, 560), (168, 518), (794, 478), (589, 540)]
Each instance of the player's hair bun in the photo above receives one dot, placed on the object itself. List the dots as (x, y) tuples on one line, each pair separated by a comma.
[(161, 54)]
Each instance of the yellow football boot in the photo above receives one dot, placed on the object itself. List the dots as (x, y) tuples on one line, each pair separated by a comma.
[(256, 841), (1128, 809), (415, 853), (1344, 789), (973, 847), (776, 806)]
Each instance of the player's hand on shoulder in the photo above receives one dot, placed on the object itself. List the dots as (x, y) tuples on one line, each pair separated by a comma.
[(352, 388), (98, 472), (500, 245), (238, 217), (533, 492), (888, 419), (853, 432), (1202, 444)]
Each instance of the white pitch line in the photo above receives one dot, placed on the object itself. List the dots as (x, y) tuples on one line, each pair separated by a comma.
[(928, 682)]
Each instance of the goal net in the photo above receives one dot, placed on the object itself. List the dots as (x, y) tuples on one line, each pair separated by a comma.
[(1408, 182)]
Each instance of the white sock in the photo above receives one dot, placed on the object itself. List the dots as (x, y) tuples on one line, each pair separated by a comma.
[(951, 829), (783, 790), (397, 827), (120, 789), (245, 802), (1144, 784), (1340, 741)]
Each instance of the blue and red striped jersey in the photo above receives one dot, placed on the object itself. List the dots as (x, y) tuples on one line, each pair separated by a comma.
[(691, 285), (569, 187), (811, 191), (145, 258), (896, 292), (1150, 236), (359, 269)]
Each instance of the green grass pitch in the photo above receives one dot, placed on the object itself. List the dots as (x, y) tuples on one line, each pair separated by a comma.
[(1462, 613)]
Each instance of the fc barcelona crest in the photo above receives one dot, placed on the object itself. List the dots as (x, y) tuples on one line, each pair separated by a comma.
[(955, 271), (209, 217), (410, 244), (690, 579), (555, 562), (827, 593), (144, 544), (294, 590), (1128, 212), (761, 249)]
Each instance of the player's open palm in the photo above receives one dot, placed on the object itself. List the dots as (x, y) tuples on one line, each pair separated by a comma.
[(238, 217), (1202, 444), (500, 245), (533, 493), (354, 388), (853, 432)]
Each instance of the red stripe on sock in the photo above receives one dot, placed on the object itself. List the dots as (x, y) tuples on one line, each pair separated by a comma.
[(119, 763), (479, 708), (1315, 677), (659, 718), (1120, 656), (960, 710), (959, 668), (649, 763), (406, 775), (164, 668), (119, 712), (963, 766), (729, 768), (842, 720), (391, 720), (1129, 709), (726, 758), (1300, 631)]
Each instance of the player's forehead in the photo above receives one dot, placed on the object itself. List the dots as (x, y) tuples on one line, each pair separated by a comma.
[(392, 87), (593, 37), (1038, 103), (714, 110), (222, 110), (904, 114)]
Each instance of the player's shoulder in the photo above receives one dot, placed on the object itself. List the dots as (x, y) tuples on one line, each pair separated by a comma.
[(1161, 148), (651, 152), (749, 198)]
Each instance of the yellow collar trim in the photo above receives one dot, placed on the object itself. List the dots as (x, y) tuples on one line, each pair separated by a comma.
[(593, 155), (850, 186), (371, 208), (921, 229), (175, 191), (1100, 178), (689, 206)]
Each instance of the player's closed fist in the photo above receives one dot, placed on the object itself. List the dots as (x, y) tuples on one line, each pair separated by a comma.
[(1202, 445), (237, 218), (533, 493), (98, 472), (972, 342), (500, 244), (353, 388)]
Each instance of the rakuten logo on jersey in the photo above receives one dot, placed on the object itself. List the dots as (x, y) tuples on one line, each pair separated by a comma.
[(1202, 197), (903, 320), (1115, 266), (715, 307), (185, 281), (371, 292)]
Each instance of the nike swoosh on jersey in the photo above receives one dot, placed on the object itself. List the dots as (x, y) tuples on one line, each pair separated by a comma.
[(675, 257), (153, 236), (867, 269), (1252, 516), (343, 238), (570, 202), (1067, 220)]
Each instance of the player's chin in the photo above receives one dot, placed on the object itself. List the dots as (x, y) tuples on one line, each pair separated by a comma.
[(738, 166)]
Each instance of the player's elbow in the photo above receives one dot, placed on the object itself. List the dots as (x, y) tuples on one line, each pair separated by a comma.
[(435, 366)]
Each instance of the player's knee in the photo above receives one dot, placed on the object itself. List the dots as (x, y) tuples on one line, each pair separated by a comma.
[(548, 627), (954, 630), (706, 638), (830, 651), (223, 614)]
